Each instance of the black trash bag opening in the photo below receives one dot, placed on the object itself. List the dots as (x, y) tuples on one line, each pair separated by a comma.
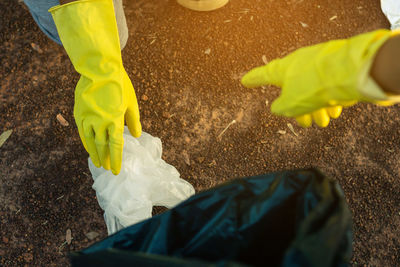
[(287, 218)]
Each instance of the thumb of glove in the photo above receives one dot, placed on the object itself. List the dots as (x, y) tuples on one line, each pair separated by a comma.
[(272, 73)]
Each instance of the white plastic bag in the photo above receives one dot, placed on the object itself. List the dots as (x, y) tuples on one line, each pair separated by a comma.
[(391, 8), (145, 181)]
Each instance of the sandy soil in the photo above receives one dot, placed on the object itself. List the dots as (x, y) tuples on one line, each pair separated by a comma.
[(185, 67)]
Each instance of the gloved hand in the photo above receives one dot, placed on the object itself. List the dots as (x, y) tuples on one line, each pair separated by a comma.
[(318, 80), (104, 95)]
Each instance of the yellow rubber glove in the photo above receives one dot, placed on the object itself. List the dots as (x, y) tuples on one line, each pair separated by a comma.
[(318, 80), (104, 95)]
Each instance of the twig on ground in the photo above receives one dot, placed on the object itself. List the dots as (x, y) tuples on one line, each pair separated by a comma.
[(226, 128), (290, 126), (62, 246), (61, 120), (68, 236), (4, 136)]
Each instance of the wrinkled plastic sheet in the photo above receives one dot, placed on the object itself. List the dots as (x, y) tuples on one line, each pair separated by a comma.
[(145, 180), (288, 218), (391, 9)]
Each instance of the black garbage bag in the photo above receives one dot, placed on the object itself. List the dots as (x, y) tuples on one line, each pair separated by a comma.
[(287, 218)]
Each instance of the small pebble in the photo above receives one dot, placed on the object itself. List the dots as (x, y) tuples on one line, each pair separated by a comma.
[(166, 115)]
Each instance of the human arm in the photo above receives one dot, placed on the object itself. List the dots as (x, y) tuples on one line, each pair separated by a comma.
[(385, 69)]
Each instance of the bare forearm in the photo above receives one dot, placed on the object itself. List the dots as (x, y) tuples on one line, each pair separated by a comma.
[(386, 66)]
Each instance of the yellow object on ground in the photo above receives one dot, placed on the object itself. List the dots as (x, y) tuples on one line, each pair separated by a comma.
[(104, 95), (203, 5), (318, 80)]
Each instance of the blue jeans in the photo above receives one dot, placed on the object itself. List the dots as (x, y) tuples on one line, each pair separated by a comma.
[(39, 10), (43, 18)]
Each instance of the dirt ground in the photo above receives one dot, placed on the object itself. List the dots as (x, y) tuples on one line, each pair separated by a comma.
[(185, 67)]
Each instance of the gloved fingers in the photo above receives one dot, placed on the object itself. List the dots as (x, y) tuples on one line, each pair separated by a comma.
[(304, 121), (104, 155), (334, 112), (89, 135), (116, 146), (132, 115), (272, 73), (102, 146), (116, 157), (321, 117), (132, 119)]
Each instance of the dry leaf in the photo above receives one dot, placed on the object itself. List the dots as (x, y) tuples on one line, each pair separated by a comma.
[(238, 76), (4, 136), (290, 126), (68, 237), (36, 48), (186, 157), (200, 159), (264, 59), (212, 163), (92, 235), (240, 115), (61, 120), (305, 25), (281, 132)]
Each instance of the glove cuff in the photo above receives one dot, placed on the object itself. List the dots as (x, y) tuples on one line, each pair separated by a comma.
[(89, 33), (368, 87)]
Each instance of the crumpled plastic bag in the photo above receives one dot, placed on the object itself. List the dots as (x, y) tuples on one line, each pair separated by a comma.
[(145, 181), (391, 9)]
